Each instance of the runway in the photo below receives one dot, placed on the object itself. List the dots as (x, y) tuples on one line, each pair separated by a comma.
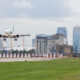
[(25, 59)]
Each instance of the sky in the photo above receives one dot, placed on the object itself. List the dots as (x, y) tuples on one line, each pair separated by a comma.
[(39, 16)]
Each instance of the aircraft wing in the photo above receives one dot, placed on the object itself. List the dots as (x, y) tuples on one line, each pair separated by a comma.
[(13, 36), (24, 35)]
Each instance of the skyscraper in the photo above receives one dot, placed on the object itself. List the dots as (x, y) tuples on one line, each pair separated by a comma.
[(76, 39), (62, 30), (1, 48), (33, 43)]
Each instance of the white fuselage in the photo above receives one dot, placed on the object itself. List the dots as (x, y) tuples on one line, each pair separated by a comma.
[(8, 32)]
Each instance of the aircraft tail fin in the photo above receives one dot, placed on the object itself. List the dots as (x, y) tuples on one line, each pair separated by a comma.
[(13, 29)]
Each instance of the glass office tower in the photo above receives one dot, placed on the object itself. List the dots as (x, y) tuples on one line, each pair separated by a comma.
[(1, 48), (76, 39), (62, 30)]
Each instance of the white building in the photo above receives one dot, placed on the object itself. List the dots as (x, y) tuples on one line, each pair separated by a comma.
[(47, 44)]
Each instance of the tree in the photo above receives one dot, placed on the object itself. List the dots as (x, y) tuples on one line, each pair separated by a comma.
[(15, 51), (32, 51)]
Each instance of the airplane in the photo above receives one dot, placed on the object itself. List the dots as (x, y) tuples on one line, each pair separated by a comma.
[(10, 34)]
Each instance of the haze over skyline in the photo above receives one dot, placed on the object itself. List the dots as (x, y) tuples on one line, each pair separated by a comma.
[(39, 16)]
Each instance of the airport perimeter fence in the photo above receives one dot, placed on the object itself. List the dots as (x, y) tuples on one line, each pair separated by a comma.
[(28, 55)]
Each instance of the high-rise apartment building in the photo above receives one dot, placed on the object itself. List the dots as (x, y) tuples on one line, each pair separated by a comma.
[(47, 43), (41, 43)]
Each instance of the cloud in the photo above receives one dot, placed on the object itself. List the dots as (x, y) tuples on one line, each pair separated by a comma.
[(51, 8), (75, 6), (22, 4), (39, 16), (39, 8), (35, 8)]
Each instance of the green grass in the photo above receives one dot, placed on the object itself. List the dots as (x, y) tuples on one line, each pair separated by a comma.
[(60, 69)]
